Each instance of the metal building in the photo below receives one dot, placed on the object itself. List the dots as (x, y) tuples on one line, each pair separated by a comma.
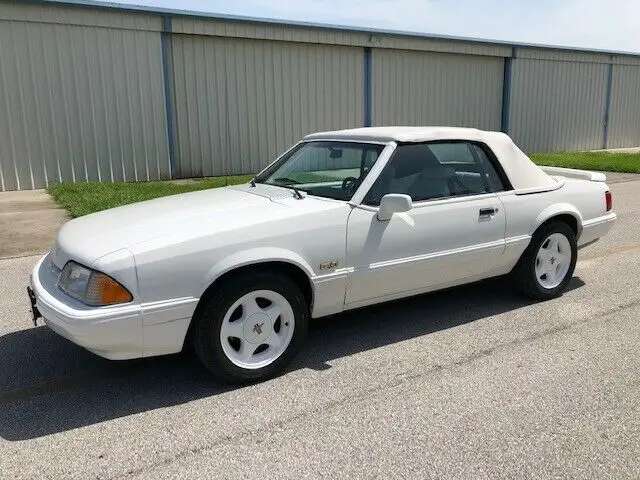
[(95, 92)]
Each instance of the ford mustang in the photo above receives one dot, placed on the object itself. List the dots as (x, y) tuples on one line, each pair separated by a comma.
[(341, 220)]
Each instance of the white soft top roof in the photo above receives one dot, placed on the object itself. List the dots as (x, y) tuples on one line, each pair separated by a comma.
[(522, 172)]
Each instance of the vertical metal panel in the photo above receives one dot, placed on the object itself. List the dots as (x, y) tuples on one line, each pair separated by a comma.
[(80, 103), (607, 106), (325, 35), (368, 101), (506, 92), (241, 102), (72, 15), (624, 122), (168, 88), (556, 105), (563, 55), (427, 88)]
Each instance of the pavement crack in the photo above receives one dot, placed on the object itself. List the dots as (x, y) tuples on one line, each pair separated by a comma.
[(612, 251), (363, 394)]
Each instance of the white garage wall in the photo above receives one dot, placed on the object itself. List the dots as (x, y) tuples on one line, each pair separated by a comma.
[(624, 120), (557, 105), (429, 88), (92, 92), (80, 103), (241, 102)]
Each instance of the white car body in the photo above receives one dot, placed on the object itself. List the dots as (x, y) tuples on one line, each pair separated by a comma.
[(167, 252)]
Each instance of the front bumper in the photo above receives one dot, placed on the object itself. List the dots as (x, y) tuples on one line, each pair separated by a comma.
[(113, 332)]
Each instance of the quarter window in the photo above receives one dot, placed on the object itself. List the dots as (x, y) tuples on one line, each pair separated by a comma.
[(436, 170)]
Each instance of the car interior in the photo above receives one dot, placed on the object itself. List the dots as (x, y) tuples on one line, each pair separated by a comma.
[(415, 170), (422, 171)]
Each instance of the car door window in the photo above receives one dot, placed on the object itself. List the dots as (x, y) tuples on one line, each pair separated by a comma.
[(495, 180), (436, 170)]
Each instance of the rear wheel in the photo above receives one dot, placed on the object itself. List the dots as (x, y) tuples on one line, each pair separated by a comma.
[(251, 327), (547, 265)]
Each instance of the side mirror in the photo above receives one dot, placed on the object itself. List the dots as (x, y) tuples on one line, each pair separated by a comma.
[(393, 203)]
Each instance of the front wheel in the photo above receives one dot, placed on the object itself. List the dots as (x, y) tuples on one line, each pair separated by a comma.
[(251, 327), (546, 267)]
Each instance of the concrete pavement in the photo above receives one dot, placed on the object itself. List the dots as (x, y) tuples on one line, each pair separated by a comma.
[(474, 382), (29, 220)]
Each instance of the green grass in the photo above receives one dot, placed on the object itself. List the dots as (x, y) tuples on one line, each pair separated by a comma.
[(84, 198), (611, 162)]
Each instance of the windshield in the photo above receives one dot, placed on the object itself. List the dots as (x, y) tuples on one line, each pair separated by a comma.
[(326, 169)]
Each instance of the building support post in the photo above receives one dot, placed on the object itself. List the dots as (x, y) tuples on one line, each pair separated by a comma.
[(367, 87), (506, 91), (165, 41), (607, 108)]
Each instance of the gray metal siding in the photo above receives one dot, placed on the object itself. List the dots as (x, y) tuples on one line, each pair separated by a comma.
[(325, 36), (624, 120), (557, 105), (427, 88), (41, 13), (240, 102), (79, 103), (82, 92), (562, 55)]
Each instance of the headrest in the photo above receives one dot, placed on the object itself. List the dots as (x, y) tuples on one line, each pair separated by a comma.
[(413, 159)]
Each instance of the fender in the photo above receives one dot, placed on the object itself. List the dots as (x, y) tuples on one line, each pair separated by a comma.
[(254, 256), (555, 210)]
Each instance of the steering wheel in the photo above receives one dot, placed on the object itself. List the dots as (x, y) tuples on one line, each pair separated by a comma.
[(350, 184)]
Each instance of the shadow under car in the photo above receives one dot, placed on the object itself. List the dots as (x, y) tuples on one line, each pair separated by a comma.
[(49, 385)]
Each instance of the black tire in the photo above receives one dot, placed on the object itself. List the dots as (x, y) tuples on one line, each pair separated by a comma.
[(524, 273), (208, 321)]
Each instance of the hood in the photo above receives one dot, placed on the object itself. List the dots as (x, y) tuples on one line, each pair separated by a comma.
[(88, 238)]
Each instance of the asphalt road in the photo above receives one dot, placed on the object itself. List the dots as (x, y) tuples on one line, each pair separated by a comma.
[(474, 382)]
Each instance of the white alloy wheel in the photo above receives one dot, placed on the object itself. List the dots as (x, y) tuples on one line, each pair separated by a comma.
[(553, 260), (257, 329)]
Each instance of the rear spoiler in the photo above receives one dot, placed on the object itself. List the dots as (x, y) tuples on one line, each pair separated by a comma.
[(574, 173)]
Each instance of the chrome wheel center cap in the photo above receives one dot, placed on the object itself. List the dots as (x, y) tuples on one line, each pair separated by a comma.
[(257, 328)]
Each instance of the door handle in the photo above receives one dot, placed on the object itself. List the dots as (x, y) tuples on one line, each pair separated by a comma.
[(488, 212)]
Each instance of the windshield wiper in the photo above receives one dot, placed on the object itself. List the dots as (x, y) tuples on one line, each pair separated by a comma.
[(296, 191), (289, 181), (299, 195)]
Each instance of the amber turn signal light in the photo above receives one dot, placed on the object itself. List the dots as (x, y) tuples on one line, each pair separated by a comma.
[(104, 290)]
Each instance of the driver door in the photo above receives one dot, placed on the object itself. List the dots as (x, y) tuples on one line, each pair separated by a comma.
[(453, 233)]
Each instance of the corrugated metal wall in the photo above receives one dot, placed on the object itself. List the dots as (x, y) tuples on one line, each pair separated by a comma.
[(557, 105), (327, 36), (241, 102), (428, 88), (83, 90), (79, 103), (624, 120)]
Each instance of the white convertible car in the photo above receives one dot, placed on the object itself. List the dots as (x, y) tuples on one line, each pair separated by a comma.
[(342, 220)]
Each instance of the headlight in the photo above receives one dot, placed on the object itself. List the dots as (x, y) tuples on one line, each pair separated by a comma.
[(91, 287)]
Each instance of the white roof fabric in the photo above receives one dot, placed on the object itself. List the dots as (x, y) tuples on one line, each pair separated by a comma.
[(522, 172)]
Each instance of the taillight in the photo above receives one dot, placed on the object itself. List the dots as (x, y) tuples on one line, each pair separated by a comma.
[(608, 200)]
